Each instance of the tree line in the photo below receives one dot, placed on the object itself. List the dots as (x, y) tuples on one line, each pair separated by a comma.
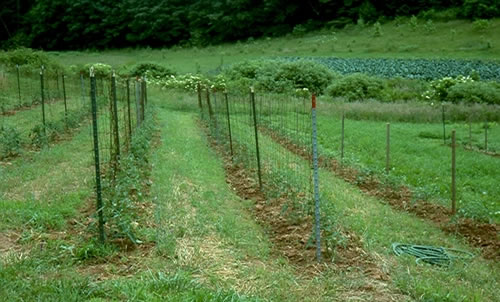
[(82, 24)]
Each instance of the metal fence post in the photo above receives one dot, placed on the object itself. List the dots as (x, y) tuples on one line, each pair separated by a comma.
[(453, 174), (254, 113), (444, 124), (128, 112), (114, 114), (145, 90), (316, 179), (65, 101), (388, 149), (19, 85), (137, 102), (210, 111), (96, 156), (43, 100), (229, 124), (143, 98), (198, 88), (342, 139)]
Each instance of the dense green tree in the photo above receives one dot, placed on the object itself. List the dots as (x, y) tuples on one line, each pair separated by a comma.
[(76, 24)]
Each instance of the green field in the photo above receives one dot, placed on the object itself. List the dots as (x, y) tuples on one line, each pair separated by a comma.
[(454, 39), (420, 159)]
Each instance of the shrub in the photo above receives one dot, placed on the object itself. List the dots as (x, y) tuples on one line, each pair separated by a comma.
[(481, 24), (10, 140), (28, 59), (245, 69), (475, 92), (358, 86), (151, 70), (282, 76), (439, 88), (101, 70)]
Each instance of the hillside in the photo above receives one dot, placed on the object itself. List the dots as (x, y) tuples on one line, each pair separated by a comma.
[(398, 39)]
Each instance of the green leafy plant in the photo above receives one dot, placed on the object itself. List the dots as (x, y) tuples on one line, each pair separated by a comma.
[(357, 86), (281, 75), (474, 92), (151, 70), (439, 89), (481, 24), (10, 140), (413, 23), (101, 70), (429, 27), (28, 59), (377, 29), (125, 189)]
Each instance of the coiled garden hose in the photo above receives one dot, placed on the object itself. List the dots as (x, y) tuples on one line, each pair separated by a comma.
[(430, 254)]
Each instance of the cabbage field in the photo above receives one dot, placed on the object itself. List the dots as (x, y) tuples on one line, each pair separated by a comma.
[(427, 69)]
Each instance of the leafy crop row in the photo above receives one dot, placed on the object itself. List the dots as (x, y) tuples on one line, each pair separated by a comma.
[(427, 69)]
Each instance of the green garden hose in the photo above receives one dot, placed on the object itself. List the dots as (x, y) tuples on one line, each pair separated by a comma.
[(432, 255)]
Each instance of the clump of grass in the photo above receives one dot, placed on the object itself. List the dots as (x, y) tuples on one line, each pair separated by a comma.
[(413, 112)]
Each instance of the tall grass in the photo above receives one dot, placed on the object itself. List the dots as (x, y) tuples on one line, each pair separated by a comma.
[(411, 112)]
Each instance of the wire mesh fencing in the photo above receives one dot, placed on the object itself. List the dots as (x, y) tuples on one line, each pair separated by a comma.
[(37, 107), (116, 116)]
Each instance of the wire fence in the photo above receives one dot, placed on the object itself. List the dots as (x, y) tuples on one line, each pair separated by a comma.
[(249, 127), (40, 106), (116, 115), (258, 132), (37, 108)]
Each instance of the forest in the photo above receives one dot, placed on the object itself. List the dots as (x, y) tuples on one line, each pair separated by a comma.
[(100, 24)]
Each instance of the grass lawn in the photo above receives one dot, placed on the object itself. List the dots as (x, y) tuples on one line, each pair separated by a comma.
[(454, 39)]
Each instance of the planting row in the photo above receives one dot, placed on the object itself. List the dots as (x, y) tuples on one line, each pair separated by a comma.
[(419, 154)]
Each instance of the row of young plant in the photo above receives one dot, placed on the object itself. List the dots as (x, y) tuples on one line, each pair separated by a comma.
[(125, 191), (121, 133), (55, 113), (255, 131)]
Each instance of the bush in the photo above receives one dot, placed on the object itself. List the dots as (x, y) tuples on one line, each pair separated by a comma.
[(245, 69), (10, 140), (475, 92), (151, 70), (358, 86), (28, 59), (439, 89), (100, 70), (282, 76)]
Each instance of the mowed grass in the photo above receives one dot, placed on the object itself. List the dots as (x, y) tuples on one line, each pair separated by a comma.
[(42, 189), (453, 39), (419, 158)]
